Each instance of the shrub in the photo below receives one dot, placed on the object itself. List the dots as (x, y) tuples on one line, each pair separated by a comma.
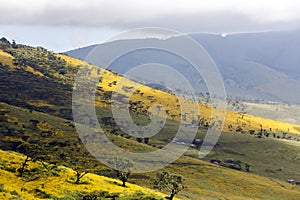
[(2, 187), (43, 195)]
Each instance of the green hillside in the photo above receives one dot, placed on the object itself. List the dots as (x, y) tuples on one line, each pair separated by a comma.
[(35, 108), (58, 183)]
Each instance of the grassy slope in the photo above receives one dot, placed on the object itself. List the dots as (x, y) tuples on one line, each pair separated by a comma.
[(279, 111), (59, 185), (170, 103), (212, 182), (202, 178), (267, 157)]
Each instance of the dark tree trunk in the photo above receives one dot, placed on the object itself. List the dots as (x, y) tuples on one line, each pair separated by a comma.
[(172, 196), (79, 175), (77, 181), (77, 178), (23, 166)]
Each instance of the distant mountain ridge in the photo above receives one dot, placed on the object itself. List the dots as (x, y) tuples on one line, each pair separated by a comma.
[(253, 65)]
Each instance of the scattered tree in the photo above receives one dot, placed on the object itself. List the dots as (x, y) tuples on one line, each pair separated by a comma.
[(123, 167), (140, 140), (284, 135), (146, 140), (79, 161), (81, 167), (32, 152), (247, 167), (14, 44), (79, 174), (170, 182)]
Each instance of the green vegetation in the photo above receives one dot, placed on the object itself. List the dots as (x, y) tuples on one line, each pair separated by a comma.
[(123, 168), (36, 120), (38, 183), (101, 195), (171, 182)]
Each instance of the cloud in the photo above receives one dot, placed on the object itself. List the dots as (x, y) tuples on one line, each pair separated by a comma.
[(213, 15)]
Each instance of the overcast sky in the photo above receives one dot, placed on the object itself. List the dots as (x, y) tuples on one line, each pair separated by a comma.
[(62, 25)]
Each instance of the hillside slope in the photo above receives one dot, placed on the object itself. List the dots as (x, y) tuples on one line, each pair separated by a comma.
[(203, 179), (58, 183), (51, 80), (36, 87), (263, 66)]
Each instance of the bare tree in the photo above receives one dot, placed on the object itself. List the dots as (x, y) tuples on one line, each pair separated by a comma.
[(81, 167), (32, 152)]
